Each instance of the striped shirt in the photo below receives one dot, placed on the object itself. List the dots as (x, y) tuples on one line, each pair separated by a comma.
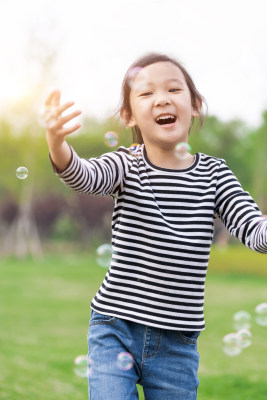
[(162, 228)]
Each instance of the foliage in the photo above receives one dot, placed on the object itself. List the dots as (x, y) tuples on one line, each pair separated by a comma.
[(257, 160), (229, 141)]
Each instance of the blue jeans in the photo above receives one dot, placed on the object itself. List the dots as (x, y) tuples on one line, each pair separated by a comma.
[(165, 362)]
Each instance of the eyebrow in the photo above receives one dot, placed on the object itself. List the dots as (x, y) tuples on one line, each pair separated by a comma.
[(177, 80), (174, 80)]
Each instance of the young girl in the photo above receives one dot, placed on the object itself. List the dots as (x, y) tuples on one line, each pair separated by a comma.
[(150, 303)]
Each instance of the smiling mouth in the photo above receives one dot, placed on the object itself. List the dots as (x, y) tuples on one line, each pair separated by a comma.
[(166, 119)]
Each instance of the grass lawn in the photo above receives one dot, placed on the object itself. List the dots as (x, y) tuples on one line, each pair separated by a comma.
[(44, 314)]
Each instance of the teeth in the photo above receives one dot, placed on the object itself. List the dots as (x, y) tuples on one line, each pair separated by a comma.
[(165, 117)]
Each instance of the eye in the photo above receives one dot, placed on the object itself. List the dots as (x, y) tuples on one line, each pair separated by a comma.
[(175, 90), (146, 94)]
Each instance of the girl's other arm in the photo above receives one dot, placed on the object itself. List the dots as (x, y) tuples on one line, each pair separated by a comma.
[(238, 211), (59, 149)]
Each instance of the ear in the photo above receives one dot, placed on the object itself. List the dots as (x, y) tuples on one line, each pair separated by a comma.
[(127, 120), (197, 109)]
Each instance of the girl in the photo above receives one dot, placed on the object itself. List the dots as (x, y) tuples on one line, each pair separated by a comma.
[(150, 303)]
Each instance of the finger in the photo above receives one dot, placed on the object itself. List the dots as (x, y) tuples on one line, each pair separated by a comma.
[(49, 100), (67, 131), (67, 118), (56, 98), (55, 112), (64, 107), (53, 122)]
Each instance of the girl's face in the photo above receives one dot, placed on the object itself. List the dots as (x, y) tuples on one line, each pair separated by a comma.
[(161, 105)]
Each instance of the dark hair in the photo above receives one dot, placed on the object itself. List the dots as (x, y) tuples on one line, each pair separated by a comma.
[(144, 61)]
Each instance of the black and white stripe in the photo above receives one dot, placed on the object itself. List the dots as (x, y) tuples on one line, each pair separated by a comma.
[(162, 230)]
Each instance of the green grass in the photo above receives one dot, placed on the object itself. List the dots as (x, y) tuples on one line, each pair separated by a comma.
[(44, 314)]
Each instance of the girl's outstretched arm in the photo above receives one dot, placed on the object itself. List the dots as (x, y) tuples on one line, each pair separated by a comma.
[(60, 152), (239, 212)]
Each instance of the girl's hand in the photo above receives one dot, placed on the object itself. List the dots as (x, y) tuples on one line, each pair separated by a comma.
[(55, 132)]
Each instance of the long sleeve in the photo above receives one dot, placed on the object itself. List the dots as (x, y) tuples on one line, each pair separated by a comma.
[(238, 211), (162, 228), (102, 175)]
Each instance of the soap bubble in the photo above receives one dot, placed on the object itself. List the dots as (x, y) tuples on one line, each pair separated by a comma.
[(41, 116), (241, 320), (125, 361), (134, 145), (22, 172), (47, 116), (134, 150), (139, 84), (231, 344), (111, 139), (132, 74), (104, 255), (182, 150), (261, 314), (83, 366), (245, 337)]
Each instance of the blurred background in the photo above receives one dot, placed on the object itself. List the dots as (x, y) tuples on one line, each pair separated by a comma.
[(49, 235)]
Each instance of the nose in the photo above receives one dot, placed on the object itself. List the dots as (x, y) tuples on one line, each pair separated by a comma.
[(162, 99)]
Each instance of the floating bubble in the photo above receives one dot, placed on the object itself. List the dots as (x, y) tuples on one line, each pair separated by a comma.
[(244, 337), (231, 344), (41, 117), (182, 150), (83, 366), (135, 150), (132, 74), (47, 116), (22, 172), (125, 361), (141, 84), (111, 139), (80, 368), (104, 255), (261, 314), (241, 320)]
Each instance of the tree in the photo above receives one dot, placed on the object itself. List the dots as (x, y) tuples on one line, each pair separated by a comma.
[(229, 141)]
